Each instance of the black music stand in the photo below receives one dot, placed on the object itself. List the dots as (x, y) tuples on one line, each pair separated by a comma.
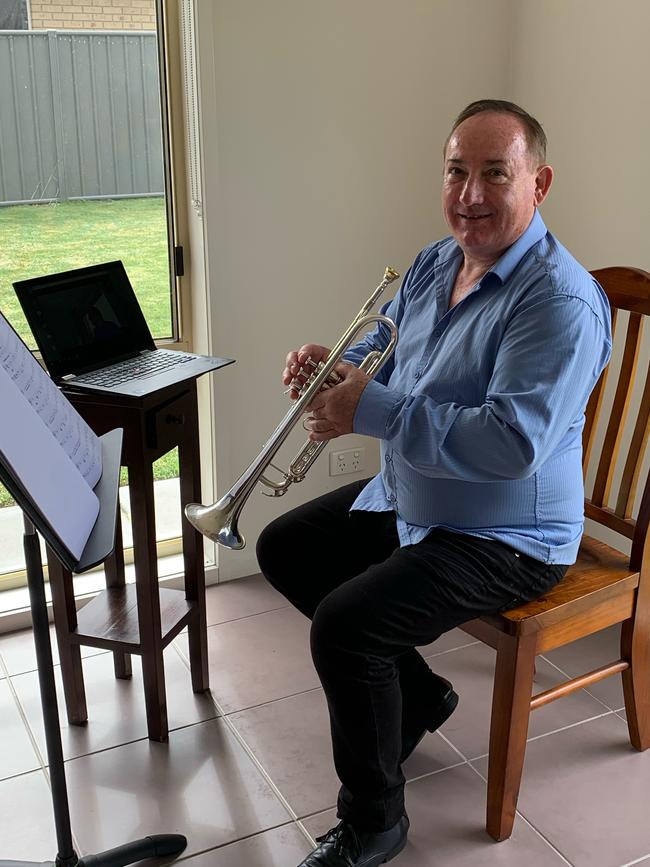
[(99, 545)]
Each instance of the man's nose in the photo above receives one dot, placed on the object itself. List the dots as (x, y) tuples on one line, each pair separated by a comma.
[(472, 192)]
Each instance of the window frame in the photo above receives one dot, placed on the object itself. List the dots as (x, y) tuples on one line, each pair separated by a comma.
[(171, 83)]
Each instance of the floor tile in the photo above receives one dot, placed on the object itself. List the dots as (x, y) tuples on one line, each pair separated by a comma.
[(586, 789), (242, 598), (291, 739), (447, 815), (116, 709), (18, 652), (471, 670), (17, 755), (281, 847), (201, 784), (26, 819), (259, 659), (448, 641), (589, 653)]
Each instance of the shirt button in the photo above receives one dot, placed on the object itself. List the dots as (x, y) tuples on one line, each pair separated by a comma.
[(388, 459), (418, 374), (392, 498)]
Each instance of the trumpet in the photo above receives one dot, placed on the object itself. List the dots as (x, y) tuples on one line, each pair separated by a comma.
[(219, 521)]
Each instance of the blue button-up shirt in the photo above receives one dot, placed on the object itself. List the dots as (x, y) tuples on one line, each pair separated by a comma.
[(481, 408)]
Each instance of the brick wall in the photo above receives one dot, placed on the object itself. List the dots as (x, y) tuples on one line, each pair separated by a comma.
[(93, 14)]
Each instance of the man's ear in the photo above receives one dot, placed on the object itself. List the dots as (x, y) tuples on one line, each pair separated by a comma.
[(543, 181)]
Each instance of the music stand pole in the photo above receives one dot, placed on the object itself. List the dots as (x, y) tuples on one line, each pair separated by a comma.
[(155, 845)]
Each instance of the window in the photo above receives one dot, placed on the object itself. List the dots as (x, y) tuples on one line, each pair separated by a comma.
[(85, 174), (14, 15)]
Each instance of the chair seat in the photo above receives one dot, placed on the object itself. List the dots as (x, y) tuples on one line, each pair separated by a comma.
[(600, 574)]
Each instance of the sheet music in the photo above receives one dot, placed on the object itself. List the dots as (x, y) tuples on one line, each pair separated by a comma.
[(58, 415), (54, 483)]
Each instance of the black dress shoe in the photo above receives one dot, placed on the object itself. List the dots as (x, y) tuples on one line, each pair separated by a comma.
[(440, 714), (346, 846)]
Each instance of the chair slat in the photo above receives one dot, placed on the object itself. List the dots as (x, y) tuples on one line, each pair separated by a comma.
[(635, 455), (620, 406), (592, 414)]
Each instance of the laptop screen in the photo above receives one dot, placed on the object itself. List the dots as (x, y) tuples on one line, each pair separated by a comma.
[(84, 319)]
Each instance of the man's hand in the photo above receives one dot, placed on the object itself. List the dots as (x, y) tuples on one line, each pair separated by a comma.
[(295, 362), (331, 412)]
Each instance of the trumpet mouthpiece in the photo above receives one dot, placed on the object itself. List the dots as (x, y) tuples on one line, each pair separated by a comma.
[(390, 274)]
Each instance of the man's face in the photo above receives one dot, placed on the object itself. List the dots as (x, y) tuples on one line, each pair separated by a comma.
[(491, 184)]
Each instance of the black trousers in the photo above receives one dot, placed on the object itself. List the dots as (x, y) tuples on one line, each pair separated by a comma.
[(371, 603)]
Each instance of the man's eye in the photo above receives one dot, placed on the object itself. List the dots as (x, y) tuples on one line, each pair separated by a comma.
[(497, 173)]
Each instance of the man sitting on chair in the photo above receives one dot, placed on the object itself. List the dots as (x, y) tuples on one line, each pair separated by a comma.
[(479, 503)]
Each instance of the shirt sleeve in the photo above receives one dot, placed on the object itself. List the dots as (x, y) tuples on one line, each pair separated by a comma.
[(549, 360)]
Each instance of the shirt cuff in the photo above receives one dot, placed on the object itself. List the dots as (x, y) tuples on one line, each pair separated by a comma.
[(375, 405)]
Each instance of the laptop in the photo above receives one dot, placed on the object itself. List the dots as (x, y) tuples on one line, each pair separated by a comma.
[(93, 336)]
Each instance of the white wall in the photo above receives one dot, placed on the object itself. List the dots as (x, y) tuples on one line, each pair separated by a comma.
[(583, 67), (323, 125), (322, 130)]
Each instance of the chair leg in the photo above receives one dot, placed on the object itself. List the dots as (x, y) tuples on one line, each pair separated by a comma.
[(513, 686), (635, 647)]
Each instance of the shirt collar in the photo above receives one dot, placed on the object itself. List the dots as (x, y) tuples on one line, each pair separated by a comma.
[(503, 267)]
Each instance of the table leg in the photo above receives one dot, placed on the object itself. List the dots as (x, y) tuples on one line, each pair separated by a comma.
[(114, 572), (148, 597), (190, 482), (65, 622)]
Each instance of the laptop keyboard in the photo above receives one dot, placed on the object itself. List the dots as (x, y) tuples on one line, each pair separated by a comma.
[(134, 368)]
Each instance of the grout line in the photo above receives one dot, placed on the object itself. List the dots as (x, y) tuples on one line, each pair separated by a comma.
[(260, 767), (518, 813), (250, 706), (182, 858), (43, 765), (28, 728), (451, 649), (527, 821), (246, 616), (546, 734), (272, 701), (571, 725), (434, 773), (569, 676), (37, 769), (636, 861)]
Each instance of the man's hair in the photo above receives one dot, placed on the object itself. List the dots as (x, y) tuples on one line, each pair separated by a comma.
[(535, 135)]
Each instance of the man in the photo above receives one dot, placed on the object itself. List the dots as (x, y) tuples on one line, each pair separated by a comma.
[(479, 503)]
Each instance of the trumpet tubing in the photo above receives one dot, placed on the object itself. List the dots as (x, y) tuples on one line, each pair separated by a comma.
[(219, 521)]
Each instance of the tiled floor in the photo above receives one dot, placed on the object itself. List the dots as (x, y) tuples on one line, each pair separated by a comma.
[(247, 774)]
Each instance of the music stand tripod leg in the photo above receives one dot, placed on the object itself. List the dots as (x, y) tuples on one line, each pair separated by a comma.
[(148, 847)]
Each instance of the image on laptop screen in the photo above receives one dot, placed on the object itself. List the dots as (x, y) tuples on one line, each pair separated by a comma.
[(84, 319)]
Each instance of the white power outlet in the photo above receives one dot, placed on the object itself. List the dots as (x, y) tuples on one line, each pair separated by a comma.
[(348, 461)]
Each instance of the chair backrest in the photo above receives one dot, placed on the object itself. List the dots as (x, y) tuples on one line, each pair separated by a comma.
[(628, 289)]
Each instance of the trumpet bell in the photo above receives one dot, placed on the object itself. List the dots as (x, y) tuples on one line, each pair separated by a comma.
[(217, 523)]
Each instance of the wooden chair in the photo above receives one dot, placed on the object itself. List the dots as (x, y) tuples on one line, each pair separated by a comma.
[(603, 588)]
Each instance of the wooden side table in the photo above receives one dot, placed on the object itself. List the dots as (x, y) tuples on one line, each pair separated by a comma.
[(140, 618)]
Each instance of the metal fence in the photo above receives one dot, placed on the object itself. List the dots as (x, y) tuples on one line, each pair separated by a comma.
[(79, 115)]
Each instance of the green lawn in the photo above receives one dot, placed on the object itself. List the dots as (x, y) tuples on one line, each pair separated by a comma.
[(44, 239)]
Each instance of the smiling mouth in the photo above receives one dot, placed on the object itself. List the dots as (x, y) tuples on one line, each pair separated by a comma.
[(475, 216)]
